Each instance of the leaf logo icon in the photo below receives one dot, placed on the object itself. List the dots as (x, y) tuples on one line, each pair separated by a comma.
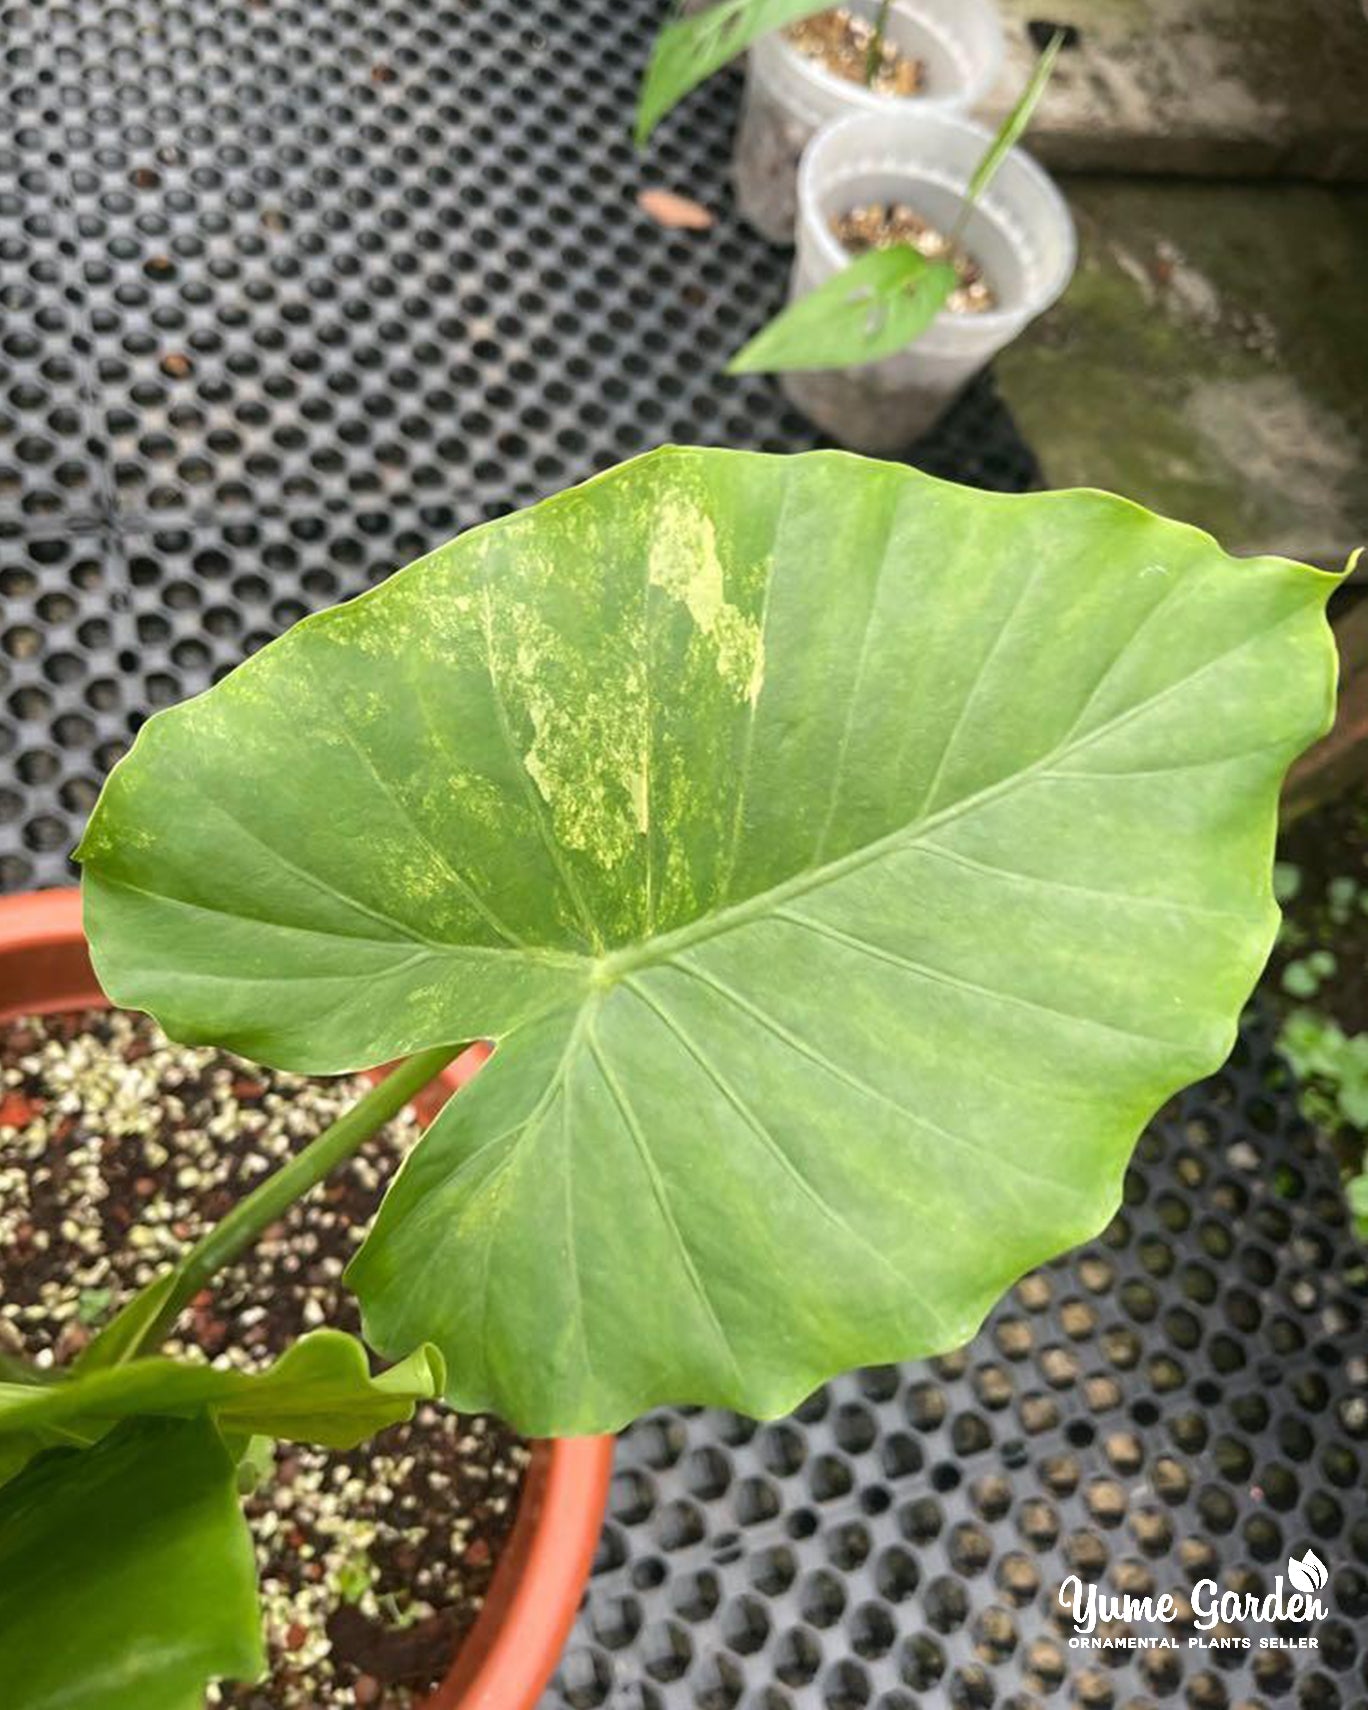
[(1309, 1574)]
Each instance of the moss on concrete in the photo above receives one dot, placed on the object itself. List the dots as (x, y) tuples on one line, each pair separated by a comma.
[(1211, 360)]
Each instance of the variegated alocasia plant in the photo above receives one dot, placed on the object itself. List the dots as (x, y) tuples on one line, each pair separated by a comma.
[(844, 865)]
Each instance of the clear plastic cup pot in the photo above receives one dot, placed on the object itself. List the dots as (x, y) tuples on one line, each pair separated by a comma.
[(1019, 231), (789, 96)]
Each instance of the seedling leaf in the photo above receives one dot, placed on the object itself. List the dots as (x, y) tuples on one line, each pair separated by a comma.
[(688, 50), (868, 310), (1010, 131)]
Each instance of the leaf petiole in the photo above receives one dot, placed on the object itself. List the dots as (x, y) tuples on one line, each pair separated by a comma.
[(146, 1320)]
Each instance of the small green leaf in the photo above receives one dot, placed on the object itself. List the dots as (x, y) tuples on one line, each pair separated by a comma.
[(319, 1391), (1310, 1042), (1300, 979), (127, 1578), (845, 864), (1353, 1100), (92, 1304), (868, 310), (1356, 1192), (688, 50), (1287, 880), (121, 1339), (874, 52), (354, 1577), (255, 1464), (1009, 132), (1332, 1066)]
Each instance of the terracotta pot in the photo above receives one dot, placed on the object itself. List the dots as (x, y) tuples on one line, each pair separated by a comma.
[(510, 1653)]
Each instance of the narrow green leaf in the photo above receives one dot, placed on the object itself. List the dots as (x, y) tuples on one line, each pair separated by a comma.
[(127, 1578), (319, 1391), (868, 310), (845, 863), (1010, 131), (874, 52), (688, 50)]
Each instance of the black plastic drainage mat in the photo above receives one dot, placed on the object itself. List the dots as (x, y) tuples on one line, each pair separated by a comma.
[(1186, 1399), (291, 292)]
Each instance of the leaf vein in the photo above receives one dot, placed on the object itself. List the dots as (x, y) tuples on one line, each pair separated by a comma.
[(890, 520), (661, 1195), (463, 884), (942, 976), (765, 1135), (804, 1048)]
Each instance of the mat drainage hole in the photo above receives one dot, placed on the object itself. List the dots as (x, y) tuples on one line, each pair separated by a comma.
[(1207, 1393), (1080, 1433), (1145, 1413), (945, 1476)]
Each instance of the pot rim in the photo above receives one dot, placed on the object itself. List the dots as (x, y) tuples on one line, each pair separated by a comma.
[(512, 1650), (845, 98)]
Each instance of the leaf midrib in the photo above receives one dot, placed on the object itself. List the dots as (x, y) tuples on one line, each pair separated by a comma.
[(650, 952)]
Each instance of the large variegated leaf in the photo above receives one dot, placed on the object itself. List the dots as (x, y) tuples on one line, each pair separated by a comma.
[(846, 864), (127, 1580)]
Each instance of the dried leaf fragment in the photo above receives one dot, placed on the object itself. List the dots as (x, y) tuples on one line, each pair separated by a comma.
[(674, 212)]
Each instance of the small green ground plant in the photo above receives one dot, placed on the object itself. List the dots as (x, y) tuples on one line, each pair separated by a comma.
[(845, 865), (1330, 1064)]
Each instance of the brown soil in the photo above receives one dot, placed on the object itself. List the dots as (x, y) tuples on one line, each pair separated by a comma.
[(841, 40), (116, 1149), (879, 225)]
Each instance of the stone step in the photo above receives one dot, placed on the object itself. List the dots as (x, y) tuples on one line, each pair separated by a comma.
[(1206, 88)]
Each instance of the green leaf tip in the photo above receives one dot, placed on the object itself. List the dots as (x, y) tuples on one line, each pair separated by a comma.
[(688, 50), (845, 863), (1010, 132)]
